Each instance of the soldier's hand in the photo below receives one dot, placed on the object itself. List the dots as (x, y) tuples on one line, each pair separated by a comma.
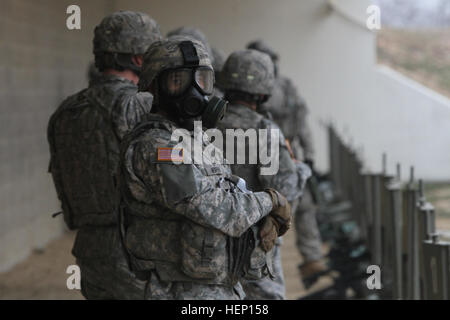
[(281, 211), (268, 233)]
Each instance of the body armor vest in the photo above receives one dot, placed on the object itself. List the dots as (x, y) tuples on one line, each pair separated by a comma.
[(85, 155), (178, 248)]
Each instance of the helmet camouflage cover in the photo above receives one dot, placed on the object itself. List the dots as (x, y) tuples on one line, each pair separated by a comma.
[(218, 59), (194, 33), (263, 47), (166, 54), (126, 32), (249, 71)]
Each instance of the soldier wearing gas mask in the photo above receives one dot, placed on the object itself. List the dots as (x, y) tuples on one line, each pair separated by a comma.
[(84, 136), (248, 79), (188, 228), (217, 57), (289, 111)]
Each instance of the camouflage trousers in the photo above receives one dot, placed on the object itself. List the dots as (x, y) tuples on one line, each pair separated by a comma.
[(104, 282), (308, 240), (162, 290), (266, 288)]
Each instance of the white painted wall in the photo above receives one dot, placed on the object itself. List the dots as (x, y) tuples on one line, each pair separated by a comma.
[(332, 60)]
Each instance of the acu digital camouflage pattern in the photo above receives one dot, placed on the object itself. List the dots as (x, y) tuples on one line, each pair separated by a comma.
[(193, 33), (267, 288), (84, 135), (287, 180), (249, 71), (166, 54), (308, 240), (162, 290), (183, 219), (218, 59), (287, 108), (217, 62), (126, 32), (289, 111), (261, 46)]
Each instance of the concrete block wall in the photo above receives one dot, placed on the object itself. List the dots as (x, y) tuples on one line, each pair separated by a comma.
[(41, 62)]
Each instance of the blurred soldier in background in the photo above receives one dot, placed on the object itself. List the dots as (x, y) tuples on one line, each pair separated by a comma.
[(289, 111), (248, 78), (217, 63), (84, 136), (188, 228)]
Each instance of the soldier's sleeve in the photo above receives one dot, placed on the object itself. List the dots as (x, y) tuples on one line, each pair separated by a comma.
[(130, 110), (186, 190), (303, 135), (285, 177)]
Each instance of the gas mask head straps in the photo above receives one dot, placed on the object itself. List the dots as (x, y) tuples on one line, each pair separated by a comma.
[(189, 53)]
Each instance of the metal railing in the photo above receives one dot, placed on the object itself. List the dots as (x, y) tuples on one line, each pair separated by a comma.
[(397, 224)]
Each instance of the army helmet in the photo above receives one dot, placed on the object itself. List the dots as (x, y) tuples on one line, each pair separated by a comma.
[(218, 59), (249, 71), (261, 46), (194, 33), (167, 54), (126, 32)]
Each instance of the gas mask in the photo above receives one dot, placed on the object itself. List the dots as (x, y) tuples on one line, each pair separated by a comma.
[(185, 92)]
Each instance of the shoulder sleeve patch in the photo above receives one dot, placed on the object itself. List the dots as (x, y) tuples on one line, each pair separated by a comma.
[(178, 181)]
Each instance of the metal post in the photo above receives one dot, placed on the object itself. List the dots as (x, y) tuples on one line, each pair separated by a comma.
[(376, 198), (412, 271), (426, 228), (396, 233), (436, 266)]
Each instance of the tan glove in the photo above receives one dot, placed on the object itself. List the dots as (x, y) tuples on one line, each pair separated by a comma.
[(268, 233), (281, 211)]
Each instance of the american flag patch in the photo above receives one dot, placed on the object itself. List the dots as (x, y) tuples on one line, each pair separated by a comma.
[(170, 154)]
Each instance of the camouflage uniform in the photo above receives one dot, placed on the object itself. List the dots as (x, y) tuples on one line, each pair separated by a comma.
[(98, 248), (289, 111), (240, 66), (186, 225)]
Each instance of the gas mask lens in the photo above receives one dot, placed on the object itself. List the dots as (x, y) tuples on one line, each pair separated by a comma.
[(175, 82), (204, 78)]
